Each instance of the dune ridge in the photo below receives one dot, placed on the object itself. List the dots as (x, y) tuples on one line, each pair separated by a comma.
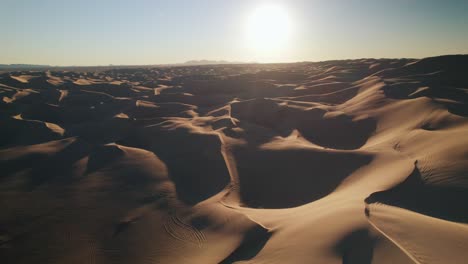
[(353, 161)]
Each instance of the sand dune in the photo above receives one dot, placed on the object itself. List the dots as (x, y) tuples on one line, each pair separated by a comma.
[(356, 161)]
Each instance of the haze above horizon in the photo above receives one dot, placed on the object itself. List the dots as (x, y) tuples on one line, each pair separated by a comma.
[(145, 32)]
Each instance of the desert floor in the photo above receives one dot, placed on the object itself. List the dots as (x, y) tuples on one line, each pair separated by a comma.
[(357, 161)]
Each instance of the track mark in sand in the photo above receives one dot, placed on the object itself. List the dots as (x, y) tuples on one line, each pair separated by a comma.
[(411, 254), (184, 232), (91, 250)]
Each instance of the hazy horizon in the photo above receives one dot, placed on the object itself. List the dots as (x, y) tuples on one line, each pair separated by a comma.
[(85, 33)]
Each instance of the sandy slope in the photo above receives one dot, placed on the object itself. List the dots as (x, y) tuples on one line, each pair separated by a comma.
[(362, 161)]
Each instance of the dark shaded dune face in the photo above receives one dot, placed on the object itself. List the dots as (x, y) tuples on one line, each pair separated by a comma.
[(291, 177), (401, 89), (252, 133), (263, 112), (240, 87), (121, 90), (384, 64), (85, 99), (173, 95), (41, 83), (457, 108), (339, 132), (131, 168), (336, 97), (7, 91), (59, 167), (103, 155), (189, 94), (13, 160), (356, 247), (203, 87), (339, 71), (447, 203), (45, 167), (449, 63), (407, 88), (254, 240), (102, 131), (44, 112), (314, 88), (144, 109), (194, 159), (55, 163), (91, 107), (282, 76), (76, 115), (443, 75), (442, 79), (18, 132), (73, 212)]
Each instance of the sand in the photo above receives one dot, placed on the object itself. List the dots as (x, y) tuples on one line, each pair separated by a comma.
[(356, 161)]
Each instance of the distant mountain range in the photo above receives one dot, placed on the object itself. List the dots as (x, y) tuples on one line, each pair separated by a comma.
[(210, 62), (12, 67), (22, 66)]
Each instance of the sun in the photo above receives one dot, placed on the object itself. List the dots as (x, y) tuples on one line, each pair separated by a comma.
[(268, 30)]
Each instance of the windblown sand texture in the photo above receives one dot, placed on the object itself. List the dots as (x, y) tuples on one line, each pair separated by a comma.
[(358, 161)]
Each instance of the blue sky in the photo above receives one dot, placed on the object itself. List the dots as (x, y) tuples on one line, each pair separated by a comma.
[(101, 32)]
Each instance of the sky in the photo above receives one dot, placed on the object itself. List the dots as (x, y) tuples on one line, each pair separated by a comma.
[(142, 32)]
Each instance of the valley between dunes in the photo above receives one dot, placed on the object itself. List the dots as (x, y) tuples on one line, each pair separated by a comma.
[(353, 161)]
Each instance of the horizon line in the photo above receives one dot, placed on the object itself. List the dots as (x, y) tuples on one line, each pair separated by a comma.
[(216, 62)]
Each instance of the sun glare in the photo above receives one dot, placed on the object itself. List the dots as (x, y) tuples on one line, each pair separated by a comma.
[(268, 30)]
